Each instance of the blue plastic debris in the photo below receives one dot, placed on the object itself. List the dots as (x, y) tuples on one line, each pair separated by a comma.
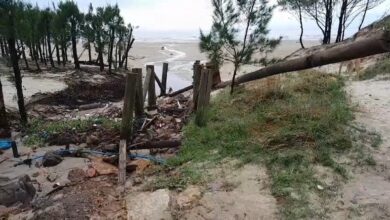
[(5, 144)]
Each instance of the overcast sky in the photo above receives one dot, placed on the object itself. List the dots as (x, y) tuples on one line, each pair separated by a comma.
[(184, 18)]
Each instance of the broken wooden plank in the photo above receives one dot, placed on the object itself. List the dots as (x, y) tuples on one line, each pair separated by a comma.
[(155, 145)]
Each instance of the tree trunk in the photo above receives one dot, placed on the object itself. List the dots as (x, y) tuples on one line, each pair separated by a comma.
[(58, 54), (89, 52), (130, 42), (4, 126), (375, 44), (66, 52), (343, 11), (74, 45), (111, 49), (44, 51), (24, 55), (364, 14), (101, 61), (63, 51), (15, 66), (40, 52), (49, 46), (234, 79), (301, 26), (6, 48), (35, 58), (116, 57), (2, 48)]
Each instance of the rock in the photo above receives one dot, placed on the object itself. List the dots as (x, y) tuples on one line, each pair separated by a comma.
[(36, 174), (103, 168), (51, 159), (149, 205), (76, 175), (20, 190), (137, 180), (52, 177), (168, 119), (92, 140), (91, 172), (188, 197)]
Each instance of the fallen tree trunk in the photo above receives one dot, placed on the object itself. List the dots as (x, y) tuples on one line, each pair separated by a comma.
[(375, 44), (185, 89), (155, 145)]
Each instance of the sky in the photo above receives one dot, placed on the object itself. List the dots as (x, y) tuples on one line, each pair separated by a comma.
[(182, 19)]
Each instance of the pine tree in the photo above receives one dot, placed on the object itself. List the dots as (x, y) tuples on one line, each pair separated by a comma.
[(70, 12), (239, 31)]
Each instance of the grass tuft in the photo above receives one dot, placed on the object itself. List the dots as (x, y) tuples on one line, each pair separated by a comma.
[(382, 67)]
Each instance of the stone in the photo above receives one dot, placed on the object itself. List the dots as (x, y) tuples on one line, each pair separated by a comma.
[(50, 159), (188, 197), (137, 181), (21, 190), (149, 205), (52, 177), (91, 172), (92, 140), (76, 175), (103, 168)]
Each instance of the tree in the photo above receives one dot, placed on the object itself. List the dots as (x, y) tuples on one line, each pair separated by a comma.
[(70, 12), (113, 21), (8, 15), (130, 41), (239, 31), (87, 31), (295, 7), (97, 26), (47, 17), (4, 126), (321, 11)]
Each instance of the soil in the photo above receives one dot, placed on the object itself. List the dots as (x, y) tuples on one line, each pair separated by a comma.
[(367, 194)]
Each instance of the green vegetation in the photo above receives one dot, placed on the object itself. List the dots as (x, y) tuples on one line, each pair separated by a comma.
[(288, 129), (39, 131), (382, 67)]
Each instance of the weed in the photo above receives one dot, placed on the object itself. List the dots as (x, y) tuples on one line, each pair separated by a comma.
[(39, 131), (382, 67)]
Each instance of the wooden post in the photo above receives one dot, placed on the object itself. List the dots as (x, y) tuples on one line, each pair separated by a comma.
[(206, 81), (146, 82), (152, 88), (196, 77), (139, 99), (164, 78), (127, 122)]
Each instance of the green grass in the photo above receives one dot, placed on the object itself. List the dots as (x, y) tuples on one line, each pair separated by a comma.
[(382, 67), (288, 130), (39, 131)]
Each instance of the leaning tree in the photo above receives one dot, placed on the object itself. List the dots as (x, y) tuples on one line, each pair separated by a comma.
[(239, 32)]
